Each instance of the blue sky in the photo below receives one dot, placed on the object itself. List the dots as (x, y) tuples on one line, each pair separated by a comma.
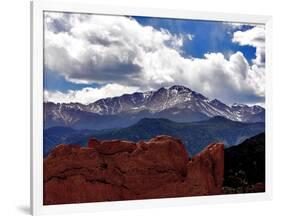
[(232, 47), (209, 36), (57, 82)]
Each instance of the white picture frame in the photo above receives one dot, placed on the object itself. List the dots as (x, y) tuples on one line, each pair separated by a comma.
[(37, 9)]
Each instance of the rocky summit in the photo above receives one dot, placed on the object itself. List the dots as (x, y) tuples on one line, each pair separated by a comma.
[(122, 170)]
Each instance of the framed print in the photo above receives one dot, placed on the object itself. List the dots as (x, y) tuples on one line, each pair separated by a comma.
[(136, 107)]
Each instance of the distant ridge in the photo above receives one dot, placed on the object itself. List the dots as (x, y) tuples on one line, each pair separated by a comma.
[(194, 135), (219, 119)]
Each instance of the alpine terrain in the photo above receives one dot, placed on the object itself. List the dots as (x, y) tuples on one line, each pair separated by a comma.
[(177, 103)]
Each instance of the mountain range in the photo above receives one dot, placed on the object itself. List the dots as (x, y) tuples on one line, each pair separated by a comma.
[(194, 135), (176, 103)]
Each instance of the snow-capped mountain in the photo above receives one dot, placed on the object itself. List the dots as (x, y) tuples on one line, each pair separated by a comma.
[(176, 103)]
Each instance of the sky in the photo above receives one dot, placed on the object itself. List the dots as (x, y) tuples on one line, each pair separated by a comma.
[(88, 57)]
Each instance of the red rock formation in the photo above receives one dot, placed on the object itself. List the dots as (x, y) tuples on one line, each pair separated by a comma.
[(207, 169), (122, 170)]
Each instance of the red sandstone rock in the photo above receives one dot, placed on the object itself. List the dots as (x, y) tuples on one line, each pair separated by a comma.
[(93, 142), (122, 170), (207, 169)]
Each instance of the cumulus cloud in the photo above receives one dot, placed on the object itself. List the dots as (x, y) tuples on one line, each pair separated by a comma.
[(101, 49), (87, 95), (253, 37), (117, 49)]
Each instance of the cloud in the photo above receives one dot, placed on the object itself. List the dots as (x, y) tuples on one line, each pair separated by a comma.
[(254, 37), (101, 49), (117, 49), (190, 37), (87, 95), (229, 80)]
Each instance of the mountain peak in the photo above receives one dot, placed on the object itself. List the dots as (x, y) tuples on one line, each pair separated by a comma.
[(216, 101), (179, 88)]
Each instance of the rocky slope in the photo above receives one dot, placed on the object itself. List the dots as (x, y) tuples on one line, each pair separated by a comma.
[(122, 170)]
